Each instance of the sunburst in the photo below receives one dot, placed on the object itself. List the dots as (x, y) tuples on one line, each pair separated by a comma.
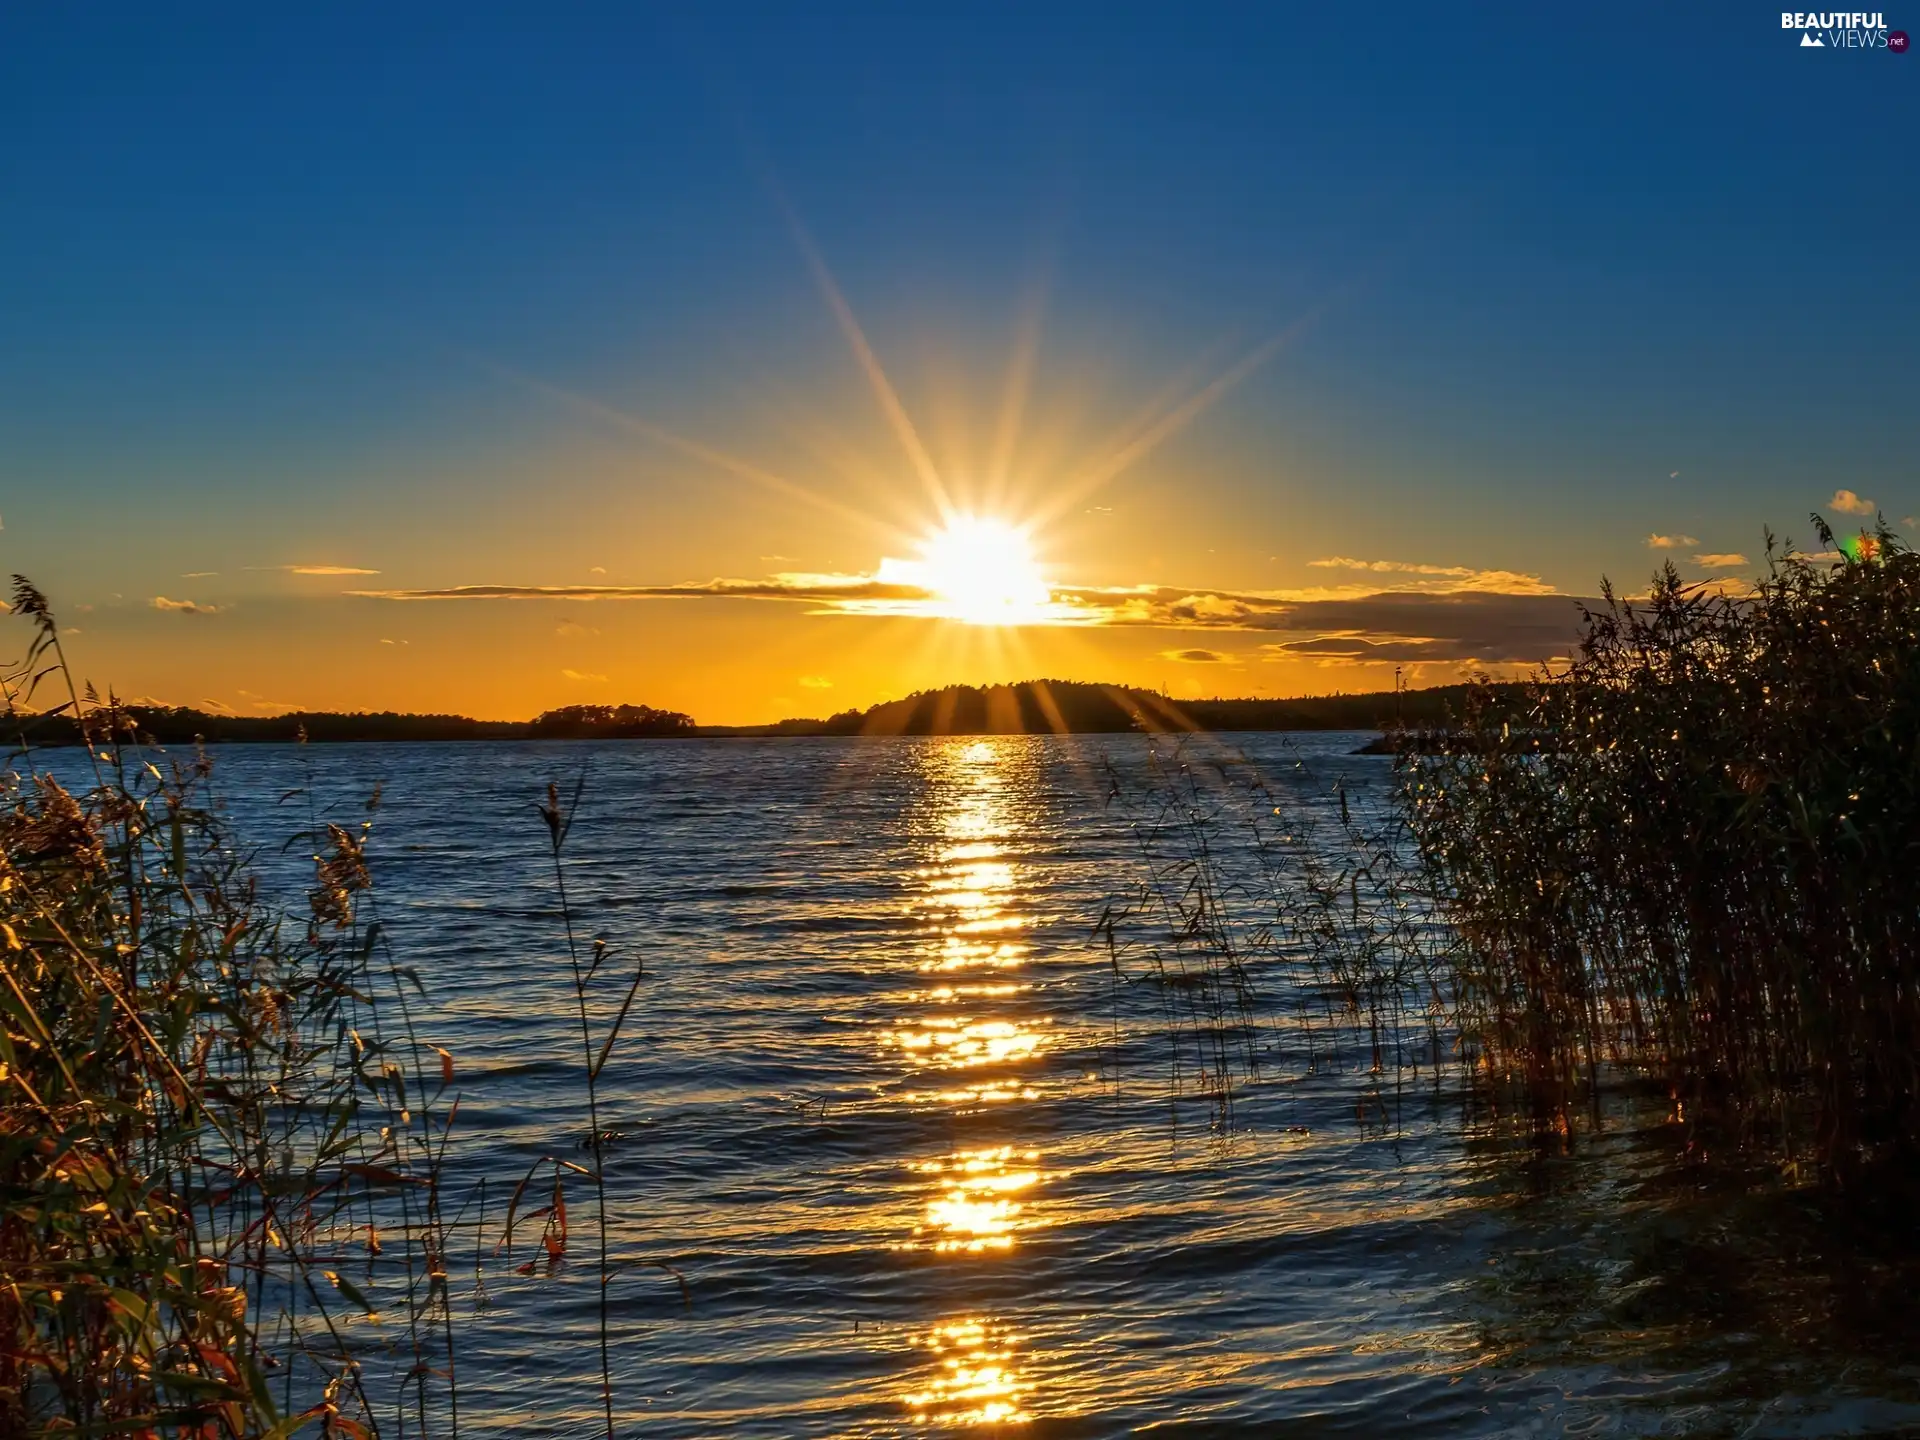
[(978, 570)]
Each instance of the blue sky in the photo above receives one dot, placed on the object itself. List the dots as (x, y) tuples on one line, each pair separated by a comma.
[(306, 287)]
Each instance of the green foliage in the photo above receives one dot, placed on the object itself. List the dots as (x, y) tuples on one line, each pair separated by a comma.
[(1696, 855)]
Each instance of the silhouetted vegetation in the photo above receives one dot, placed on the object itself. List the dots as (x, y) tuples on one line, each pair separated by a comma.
[(609, 722), (181, 725), (1043, 707), (1711, 875), (1284, 921), (1032, 707)]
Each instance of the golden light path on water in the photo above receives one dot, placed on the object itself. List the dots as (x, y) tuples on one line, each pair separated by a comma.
[(974, 1049)]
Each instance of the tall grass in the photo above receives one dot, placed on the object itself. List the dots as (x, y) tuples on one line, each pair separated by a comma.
[(559, 822), (224, 1197), (1277, 914), (1695, 856), (221, 1141)]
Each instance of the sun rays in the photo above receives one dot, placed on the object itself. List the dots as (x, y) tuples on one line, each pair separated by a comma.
[(963, 525), (980, 571)]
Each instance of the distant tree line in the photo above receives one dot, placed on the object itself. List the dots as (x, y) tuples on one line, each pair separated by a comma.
[(609, 722), (1039, 707), (1034, 707), (182, 725)]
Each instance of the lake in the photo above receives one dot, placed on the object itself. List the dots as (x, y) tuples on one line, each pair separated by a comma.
[(922, 1155)]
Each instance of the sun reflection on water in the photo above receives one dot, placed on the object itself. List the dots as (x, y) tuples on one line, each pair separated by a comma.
[(959, 1041), (979, 1027), (976, 1209), (974, 1381)]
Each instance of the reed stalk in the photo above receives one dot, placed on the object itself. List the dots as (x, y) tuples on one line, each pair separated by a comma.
[(1691, 857), (203, 1127)]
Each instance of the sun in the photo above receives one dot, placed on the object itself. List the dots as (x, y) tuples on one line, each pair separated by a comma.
[(978, 570)]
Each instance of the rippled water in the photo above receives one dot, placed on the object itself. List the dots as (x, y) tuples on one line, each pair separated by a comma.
[(908, 1137)]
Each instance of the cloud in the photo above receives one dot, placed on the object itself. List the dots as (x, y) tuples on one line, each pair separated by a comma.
[(261, 702), (1199, 657), (1487, 629), (198, 574), (597, 570), (835, 588), (1510, 582), (1848, 503), (816, 682), (573, 630), (1726, 561), (584, 675), (1472, 615), (183, 607), (1910, 523), (1345, 562), (1671, 542), (316, 569)]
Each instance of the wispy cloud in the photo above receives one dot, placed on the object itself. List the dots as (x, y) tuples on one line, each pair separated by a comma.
[(316, 569), (1443, 577), (583, 675), (1403, 567), (183, 607), (198, 574), (1199, 657), (1721, 561), (1434, 613), (1849, 503), (816, 682), (1671, 542), (835, 588)]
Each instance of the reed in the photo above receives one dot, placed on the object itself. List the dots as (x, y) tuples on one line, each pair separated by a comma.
[(1280, 916), (224, 1199), (559, 822), (1692, 857), (221, 1140)]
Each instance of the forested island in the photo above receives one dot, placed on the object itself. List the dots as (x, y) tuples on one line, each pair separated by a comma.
[(1034, 707)]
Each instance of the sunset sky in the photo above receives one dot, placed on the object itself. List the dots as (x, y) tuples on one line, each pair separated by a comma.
[(487, 359)]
